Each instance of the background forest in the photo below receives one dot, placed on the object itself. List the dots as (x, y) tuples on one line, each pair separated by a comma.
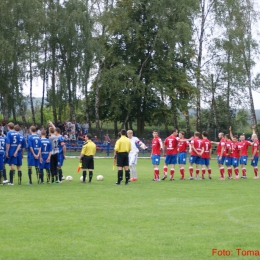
[(131, 63)]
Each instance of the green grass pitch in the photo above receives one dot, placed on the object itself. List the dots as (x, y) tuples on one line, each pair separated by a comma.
[(143, 220)]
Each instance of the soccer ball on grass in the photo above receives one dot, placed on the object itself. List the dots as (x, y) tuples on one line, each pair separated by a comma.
[(69, 178), (100, 178)]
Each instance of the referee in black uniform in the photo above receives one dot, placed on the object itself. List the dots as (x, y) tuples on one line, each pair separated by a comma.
[(87, 157), (122, 149)]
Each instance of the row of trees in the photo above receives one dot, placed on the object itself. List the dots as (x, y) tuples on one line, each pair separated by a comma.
[(130, 61)]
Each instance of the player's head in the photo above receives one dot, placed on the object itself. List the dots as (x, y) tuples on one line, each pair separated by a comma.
[(119, 134), (181, 134), (88, 137), (204, 134), (227, 136), (242, 137), (175, 131), (129, 133), (196, 134), (10, 126), (235, 138), (43, 133), (123, 132), (17, 128), (33, 129), (155, 133), (51, 130), (57, 131), (220, 135)]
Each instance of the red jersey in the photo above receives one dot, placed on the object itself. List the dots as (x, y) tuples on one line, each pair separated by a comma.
[(236, 148), (206, 144), (156, 147), (229, 151), (171, 143), (244, 147), (197, 144), (255, 146), (182, 147), (222, 143)]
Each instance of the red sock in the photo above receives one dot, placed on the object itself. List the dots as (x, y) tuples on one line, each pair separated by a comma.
[(222, 171), (182, 172), (156, 171), (244, 171), (191, 171), (229, 172), (203, 171), (236, 171), (172, 173), (197, 172), (256, 171), (165, 170)]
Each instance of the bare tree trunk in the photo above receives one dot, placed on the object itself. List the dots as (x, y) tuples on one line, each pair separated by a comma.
[(97, 122), (43, 82), (248, 66), (53, 93), (31, 86), (228, 92), (87, 117), (187, 122), (115, 128), (198, 78), (213, 103)]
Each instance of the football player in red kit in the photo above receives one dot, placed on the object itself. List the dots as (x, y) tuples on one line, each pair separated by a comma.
[(170, 150), (205, 155), (157, 147)]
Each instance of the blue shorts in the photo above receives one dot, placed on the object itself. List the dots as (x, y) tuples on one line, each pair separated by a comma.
[(194, 159), (11, 160), (204, 161), (31, 161), (156, 159), (2, 159), (235, 162), (243, 160), (182, 158), (170, 159), (19, 160), (45, 165), (60, 159), (222, 160), (254, 162), (228, 161)]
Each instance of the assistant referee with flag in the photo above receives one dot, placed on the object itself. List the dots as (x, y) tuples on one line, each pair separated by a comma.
[(122, 149)]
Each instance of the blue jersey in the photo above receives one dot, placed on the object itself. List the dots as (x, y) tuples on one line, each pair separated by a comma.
[(13, 139), (23, 144), (34, 142), (61, 143), (46, 148), (2, 145)]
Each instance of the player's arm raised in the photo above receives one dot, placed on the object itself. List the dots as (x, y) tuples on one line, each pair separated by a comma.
[(253, 129), (230, 132), (52, 125)]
